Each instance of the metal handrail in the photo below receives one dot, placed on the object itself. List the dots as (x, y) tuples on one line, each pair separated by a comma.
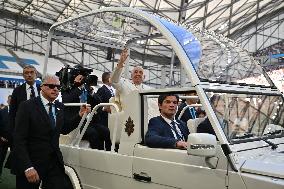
[(188, 106), (89, 119), (77, 130)]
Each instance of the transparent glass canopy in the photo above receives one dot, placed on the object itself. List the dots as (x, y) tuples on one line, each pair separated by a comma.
[(214, 57)]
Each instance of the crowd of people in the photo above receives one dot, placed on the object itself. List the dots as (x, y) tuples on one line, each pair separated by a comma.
[(9, 84), (277, 48), (275, 73), (277, 77)]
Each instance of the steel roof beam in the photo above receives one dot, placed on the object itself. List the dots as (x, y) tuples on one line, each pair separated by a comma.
[(29, 20), (263, 19)]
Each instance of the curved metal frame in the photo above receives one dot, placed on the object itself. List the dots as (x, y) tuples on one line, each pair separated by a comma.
[(89, 117), (179, 51)]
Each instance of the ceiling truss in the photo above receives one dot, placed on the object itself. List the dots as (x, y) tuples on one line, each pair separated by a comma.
[(255, 24)]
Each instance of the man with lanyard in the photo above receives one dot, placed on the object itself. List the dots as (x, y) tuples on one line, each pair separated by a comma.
[(165, 131), (190, 112)]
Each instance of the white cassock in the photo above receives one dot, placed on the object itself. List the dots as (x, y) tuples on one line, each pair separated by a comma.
[(123, 87)]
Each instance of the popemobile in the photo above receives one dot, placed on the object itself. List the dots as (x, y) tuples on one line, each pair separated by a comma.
[(242, 104)]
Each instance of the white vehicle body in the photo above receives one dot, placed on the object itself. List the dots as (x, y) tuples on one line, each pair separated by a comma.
[(253, 160)]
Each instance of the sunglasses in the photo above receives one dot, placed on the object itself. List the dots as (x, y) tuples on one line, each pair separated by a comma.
[(52, 86)]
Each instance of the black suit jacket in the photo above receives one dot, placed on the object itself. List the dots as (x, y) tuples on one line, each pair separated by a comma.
[(4, 132), (18, 96), (186, 115), (160, 135), (104, 94), (205, 127), (71, 96), (35, 142), (4, 124)]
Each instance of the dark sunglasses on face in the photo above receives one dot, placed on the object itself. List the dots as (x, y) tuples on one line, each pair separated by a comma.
[(52, 86)]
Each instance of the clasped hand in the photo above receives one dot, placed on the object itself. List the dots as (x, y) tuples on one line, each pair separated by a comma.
[(32, 176)]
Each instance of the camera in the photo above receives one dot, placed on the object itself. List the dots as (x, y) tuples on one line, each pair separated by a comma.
[(67, 75)]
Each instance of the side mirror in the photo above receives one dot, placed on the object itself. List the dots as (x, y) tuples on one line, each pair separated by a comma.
[(201, 144)]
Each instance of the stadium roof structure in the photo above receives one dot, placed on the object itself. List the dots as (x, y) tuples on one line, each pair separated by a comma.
[(214, 57), (24, 24), (230, 17)]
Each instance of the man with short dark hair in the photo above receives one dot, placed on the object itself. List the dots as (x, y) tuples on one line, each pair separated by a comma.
[(24, 92), (165, 131), (105, 93), (39, 123)]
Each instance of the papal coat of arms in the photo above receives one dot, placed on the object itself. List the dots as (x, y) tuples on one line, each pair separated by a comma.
[(129, 126)]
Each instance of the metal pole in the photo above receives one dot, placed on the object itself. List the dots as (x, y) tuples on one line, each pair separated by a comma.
[(172, 67), (46, 54)]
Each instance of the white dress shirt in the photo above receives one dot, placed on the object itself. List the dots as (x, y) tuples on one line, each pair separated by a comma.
[(46, 106), (29, 90)]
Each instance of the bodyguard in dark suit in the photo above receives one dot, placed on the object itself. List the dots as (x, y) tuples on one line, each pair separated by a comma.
[(5, 135), (39, 122), (105, 93), (24, 92), (164, 131)]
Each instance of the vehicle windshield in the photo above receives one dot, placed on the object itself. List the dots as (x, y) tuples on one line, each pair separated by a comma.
[(248, 116)]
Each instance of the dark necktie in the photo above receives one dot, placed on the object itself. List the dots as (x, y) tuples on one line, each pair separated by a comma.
[(32, 92), (111, 91), (51, 117), (174, 127), (193, 113)]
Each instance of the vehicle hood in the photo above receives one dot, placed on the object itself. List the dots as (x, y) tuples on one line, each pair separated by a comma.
[(268, 165)]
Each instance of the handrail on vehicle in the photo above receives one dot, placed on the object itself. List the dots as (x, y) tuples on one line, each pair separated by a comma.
[(188, 106), (79, 135)]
